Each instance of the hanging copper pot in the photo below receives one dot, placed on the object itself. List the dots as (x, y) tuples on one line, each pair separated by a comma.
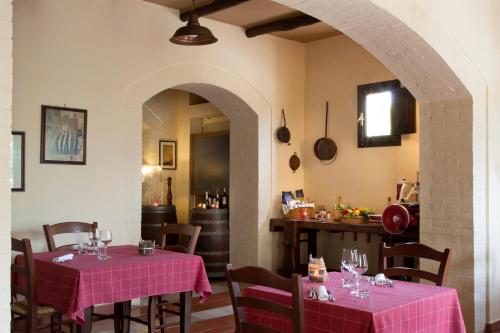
[(283, 133), (294, 162), (325, 148)]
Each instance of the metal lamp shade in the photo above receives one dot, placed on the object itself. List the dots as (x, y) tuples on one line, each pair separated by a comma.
[(193, 33)]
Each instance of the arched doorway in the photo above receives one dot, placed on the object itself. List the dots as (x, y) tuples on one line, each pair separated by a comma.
[(250, 153), (453, 105)]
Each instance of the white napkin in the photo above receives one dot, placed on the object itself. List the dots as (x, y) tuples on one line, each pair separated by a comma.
[(64, 258), (380, 279), (322, 293)]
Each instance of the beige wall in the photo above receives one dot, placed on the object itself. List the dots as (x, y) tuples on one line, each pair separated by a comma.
[(111, 55), (364, 177), (5, 129)]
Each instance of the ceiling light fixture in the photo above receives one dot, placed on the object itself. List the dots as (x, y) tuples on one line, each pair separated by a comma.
[(193, 33)]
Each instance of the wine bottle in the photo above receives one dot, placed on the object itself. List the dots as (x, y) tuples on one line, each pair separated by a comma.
[(225, 201), (207, 200), (217, 198)]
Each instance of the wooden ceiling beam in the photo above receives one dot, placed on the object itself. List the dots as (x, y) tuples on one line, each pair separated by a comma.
[(281, 25), (213, 7)]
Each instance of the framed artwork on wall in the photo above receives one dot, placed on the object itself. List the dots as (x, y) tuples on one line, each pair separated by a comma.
[(168, 154), (17, 161), (64, 135)]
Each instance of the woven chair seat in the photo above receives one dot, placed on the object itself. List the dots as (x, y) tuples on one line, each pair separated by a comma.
[(21, 308)]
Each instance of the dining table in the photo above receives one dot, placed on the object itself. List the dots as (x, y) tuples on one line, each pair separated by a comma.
[(400, 307), (73, 287)]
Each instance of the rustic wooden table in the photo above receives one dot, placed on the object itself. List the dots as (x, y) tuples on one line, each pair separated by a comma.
[(293, 228)]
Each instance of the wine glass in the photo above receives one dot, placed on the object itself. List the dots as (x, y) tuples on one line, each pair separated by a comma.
[(360, 267), (106, 237)]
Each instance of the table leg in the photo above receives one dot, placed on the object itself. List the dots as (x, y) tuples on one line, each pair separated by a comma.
[(291, 243), (87, 325), (186, 311), (312, 246), (122, 311)]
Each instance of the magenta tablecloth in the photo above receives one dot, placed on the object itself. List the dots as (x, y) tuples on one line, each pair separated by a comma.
[(75, 285), (408, 307)]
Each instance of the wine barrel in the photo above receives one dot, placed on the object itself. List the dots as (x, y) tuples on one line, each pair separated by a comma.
[(153, 217), (213, 243)]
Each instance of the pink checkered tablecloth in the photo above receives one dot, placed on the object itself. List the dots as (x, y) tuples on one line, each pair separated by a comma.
[(77, 284), (407, 307)]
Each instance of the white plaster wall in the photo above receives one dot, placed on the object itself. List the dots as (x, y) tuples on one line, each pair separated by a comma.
[(364, 177), (89, 60), (5, 129)]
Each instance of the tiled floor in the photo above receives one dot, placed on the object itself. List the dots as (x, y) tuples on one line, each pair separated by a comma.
[(213, 316)]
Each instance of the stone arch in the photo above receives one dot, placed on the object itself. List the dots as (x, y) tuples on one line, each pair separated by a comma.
[(250, 146), (430, 63)]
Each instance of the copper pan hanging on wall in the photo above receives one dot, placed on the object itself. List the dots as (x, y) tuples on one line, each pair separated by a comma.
[(283, 133), (325, 148)]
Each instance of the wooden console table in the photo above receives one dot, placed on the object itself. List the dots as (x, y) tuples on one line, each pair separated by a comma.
[(293, 228)]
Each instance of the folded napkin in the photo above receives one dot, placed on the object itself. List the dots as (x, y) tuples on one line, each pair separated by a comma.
[(64, 258), (322, 293)]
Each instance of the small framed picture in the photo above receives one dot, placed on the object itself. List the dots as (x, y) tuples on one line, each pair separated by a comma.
[(64, 135), (168, 154), (17, 162)]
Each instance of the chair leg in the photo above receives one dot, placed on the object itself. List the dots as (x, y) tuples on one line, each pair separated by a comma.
[(31, 323), (55, 323), (161, 315)]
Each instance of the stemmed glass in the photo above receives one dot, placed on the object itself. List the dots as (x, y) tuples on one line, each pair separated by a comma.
[(360, 267), (106, 238), (346, 267), (94, 235)]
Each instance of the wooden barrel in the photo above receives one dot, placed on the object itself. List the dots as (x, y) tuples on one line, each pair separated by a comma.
[(213, 244), (153, 217)]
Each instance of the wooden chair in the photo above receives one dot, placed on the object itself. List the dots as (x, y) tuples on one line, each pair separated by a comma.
[(177, 238), (65, 228), (419, 251), (28, 308), (263, 277)]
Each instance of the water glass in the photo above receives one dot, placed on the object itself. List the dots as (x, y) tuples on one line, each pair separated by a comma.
[(346, 268), (364, 284), (101, 251), (94, 236), (82, 248), (360, 265)]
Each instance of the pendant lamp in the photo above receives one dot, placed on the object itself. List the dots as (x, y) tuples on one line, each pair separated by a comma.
[(193, 33)]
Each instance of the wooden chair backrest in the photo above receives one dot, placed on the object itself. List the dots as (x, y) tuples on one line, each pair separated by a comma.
[(263, 277), (418, 251), (186, 240), (24, 271), (65, 228)]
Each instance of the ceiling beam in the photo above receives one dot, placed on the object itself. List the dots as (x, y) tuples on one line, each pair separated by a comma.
[(281, 25), (213, 7)]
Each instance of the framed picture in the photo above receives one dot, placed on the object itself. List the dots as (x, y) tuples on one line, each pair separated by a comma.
[(17, 161), (168, 154), (64, 135)]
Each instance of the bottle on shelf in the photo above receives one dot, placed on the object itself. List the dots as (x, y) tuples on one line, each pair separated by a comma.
[(217, 198), (207, 200), (224, 199)]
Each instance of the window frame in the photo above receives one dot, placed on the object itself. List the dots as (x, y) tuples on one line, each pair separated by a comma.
[(394, 139)]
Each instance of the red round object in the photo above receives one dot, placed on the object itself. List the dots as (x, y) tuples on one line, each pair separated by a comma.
[(395, 219)]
